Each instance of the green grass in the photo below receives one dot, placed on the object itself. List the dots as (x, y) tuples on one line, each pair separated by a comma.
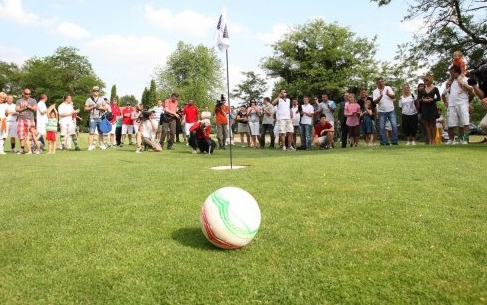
[(393, 225)]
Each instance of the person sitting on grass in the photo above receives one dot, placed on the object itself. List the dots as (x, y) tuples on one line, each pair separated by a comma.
[(147, 132), (35, 142), (324, 132), (200, 138)]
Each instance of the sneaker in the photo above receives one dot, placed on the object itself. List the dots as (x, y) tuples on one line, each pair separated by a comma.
[(103, 147), (21, 152), (413, 143), (455, 143), (2, 153), (408, 143), (291, 148), (195, 152), (284, 148), (28, 153), (137, 151), (91, 147), (449, 142), (463, 142), (37, 152)]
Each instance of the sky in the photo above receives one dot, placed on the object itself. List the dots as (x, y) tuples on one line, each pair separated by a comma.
[(126, 40)]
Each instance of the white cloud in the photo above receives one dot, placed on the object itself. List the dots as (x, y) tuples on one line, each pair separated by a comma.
[(71, 30), (12, 10), (187, 21), (415, 26), (9, 54), (278, 31)]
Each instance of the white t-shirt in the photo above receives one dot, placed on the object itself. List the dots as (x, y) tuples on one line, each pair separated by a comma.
[(65, 108), (3, 107), (147, 131), (457, 96), (407, 105), (307, 108), (296, 116), (11, 109), (283, 111), (206, 115), (41, 118), (386, 104)]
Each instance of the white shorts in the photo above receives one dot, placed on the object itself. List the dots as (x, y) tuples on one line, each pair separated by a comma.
[(41, 128), (67, 129), (136, 128), (458, 116), (114, 128), (187, 126), (127, 129), (12, 129), (285, 126)]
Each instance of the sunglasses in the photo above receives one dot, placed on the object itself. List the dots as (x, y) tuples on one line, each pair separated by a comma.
[(25, 93)]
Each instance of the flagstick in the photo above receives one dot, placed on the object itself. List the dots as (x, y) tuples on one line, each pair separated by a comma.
[(229, 109)]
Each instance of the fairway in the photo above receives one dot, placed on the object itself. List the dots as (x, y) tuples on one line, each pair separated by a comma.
[(373, 225)]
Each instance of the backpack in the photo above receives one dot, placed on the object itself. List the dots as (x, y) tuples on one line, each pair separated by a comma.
[(105, 126)]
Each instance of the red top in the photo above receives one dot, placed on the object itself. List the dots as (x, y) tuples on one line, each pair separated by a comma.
[(319, 128), (191, 113), (127, 116), (220, 114), (201, 134), (115, 111), (172, 106)]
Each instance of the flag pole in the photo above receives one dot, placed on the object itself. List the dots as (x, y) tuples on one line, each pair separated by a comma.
[(230, 113)]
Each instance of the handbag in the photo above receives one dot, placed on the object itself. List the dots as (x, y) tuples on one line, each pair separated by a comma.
[(105, 125), (166, 118)]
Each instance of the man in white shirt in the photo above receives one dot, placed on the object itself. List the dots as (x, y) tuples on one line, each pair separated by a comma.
[(458, 105), (41, 115), (68, 126), (383, 97), (284, 119), (307, 112)]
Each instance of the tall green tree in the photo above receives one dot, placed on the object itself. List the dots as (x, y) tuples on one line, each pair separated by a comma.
[(145, 97), (192, 71), (253, 86), (128, 99), (449, 25), (320, 56), (152, 94), (10, 78), (113, 92)]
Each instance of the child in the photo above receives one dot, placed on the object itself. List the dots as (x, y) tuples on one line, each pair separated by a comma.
[(36, 141), (439, 127), (51, 131), (458, 60), (3, 121), (352, 112), (368, 123)]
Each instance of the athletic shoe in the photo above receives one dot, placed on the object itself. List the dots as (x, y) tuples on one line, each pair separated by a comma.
[(449, 142), (408, 143), (284, 148), (103, 147), (2, 153), (413, 143), (195, 152), (137, 151), (28, 153), (37, 152), (21, 152), (92, 147), (463, 142), (291, 148)]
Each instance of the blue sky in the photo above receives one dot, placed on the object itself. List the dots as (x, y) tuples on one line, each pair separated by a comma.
[(126, 40)]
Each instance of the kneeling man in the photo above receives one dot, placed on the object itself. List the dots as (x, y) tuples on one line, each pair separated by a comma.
[(200, 138), (323, 133)]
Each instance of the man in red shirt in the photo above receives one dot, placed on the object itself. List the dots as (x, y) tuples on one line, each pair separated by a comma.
[(116, 114), (190, 116), (127, 123), (200, 137), (323, 135), (221, 112), (168, 119)]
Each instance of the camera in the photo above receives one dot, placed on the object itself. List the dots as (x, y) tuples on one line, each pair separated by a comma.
[(145, 115)]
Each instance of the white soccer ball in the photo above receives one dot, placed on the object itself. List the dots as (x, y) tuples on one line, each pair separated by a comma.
[(230, 218)]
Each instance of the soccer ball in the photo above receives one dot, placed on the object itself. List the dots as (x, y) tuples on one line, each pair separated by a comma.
[(230, 218)]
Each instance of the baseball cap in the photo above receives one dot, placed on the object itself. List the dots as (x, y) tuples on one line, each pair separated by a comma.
[(95, 88)]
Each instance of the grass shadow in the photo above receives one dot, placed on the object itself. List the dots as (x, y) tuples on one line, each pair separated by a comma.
[(193, 238)]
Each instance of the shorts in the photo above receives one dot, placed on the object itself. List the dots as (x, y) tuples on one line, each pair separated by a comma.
[(127, 129), (458, 116), (94, 125), (285, 126), (243, 128), (187, 126), (67, 129), (114, 128), (353, 131), (254, 128), (151, 143), (23, 127), (12, 129), (51, 136)]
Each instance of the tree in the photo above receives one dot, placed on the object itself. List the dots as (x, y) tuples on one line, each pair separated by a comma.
[(113, 92), (128, 99), (450, 25), (145, 97), (252, 87), (152, 94), (318, 57), (65, 72), (192, 71), (9, 78)]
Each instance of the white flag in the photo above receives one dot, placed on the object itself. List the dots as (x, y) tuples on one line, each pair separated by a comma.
[(222, 40)]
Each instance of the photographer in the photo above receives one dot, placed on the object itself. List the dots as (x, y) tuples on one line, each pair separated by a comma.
[(480, 89), (200, 138), (147, 132)]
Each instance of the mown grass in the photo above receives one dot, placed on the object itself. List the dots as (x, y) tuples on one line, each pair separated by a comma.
[(394, 225)]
